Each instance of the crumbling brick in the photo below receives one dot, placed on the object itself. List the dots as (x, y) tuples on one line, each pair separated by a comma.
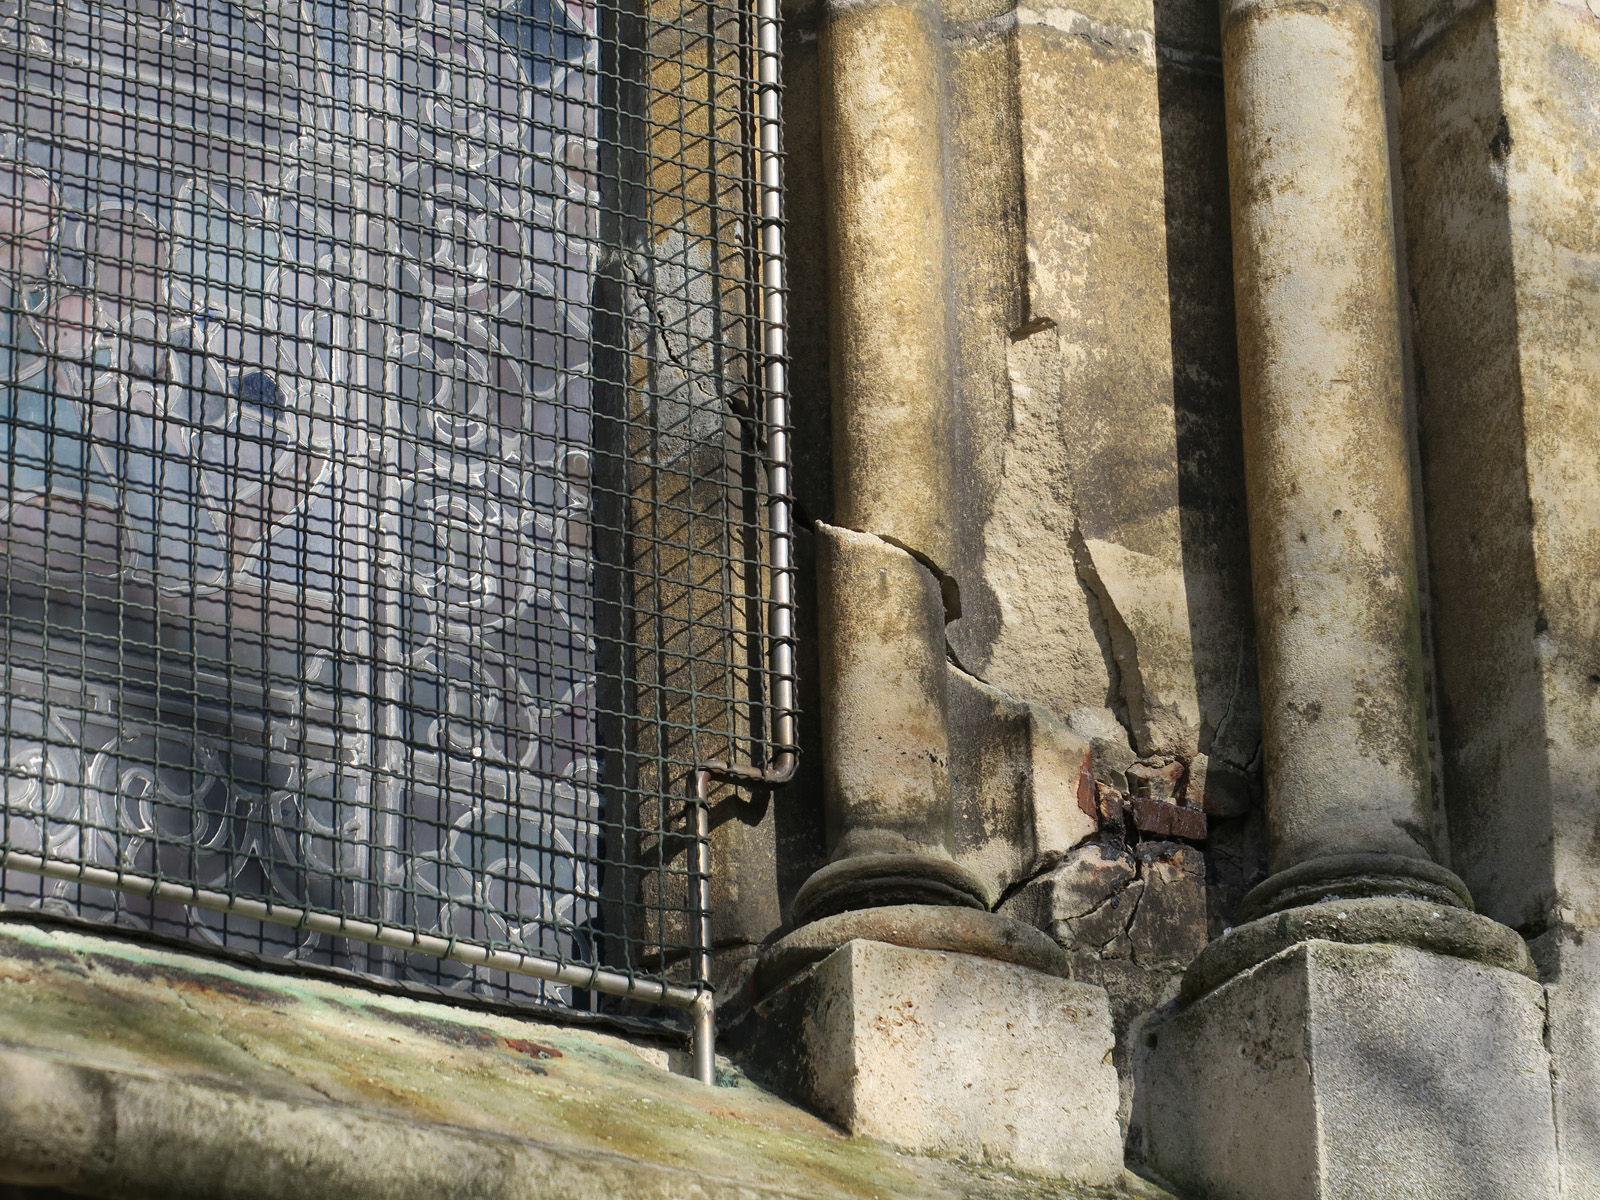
[(1109, 803), (1088, 796), (1164, 819)]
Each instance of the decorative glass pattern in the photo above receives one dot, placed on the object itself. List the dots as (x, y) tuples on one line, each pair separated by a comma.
[(344, 350)]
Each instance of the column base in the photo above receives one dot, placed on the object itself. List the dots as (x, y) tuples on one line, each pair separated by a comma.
[(949, 1054), (1352, 877), (1437, 928), (861, 881), (916, 927), (1363, 1072)]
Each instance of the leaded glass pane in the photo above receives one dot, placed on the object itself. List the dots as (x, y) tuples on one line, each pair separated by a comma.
[(295, 422)]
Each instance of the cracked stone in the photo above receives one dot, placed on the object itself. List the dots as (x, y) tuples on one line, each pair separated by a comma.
[(1220, 788), (1155, 782), (1084, 880), (1169, 927), (1104, 929)]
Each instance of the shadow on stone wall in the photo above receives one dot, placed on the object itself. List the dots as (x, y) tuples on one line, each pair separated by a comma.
[(1490, 627), (1210, 441)]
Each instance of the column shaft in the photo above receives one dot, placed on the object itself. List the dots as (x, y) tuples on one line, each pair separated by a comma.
[(1327, 463), (884, 704), (884, 587), (889, 320)]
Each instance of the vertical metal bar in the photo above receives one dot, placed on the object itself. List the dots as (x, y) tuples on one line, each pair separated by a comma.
[(390, 766), (702, 876), (774, 299), (704, 1036), (704, 1015), (774, 319)]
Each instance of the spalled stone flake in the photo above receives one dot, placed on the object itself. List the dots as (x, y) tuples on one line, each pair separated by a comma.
[(1146, 605), (1022, 784), (1043, 646)]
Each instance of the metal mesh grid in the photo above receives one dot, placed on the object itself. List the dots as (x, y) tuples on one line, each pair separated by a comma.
[(387, 516)]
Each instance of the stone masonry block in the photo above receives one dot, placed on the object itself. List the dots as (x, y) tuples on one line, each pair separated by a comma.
[(1353, 1072), (1569, 962), (1021, 781), (953, 1055)]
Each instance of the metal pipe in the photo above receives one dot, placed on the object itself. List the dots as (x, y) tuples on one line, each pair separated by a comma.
[(780, 632), (702, 882), (775, 347), (594, 978), (704, 1039), (703, 1033)]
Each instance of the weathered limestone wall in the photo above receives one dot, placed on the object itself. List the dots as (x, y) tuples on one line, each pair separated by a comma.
[(1102, 562), (1499, 139), (1092, 542), (1102, 559), (1101, 555), (1090, 537)]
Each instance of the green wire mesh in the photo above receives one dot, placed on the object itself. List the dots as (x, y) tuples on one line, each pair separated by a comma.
[(384, 524)]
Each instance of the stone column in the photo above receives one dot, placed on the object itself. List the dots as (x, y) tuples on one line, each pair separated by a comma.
[(882, 124), (1328, 476), (1327, 461), (884, 706), (902, 1006), (1248, 1090), (884, 584)]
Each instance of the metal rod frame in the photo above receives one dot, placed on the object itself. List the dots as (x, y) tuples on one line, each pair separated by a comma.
[(696, 1000), (774, 311)]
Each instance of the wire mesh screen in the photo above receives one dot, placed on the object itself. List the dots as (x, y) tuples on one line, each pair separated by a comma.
[(384, 521)]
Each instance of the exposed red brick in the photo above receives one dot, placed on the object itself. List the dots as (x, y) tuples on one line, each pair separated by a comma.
[(1087, 799), (1110, 804), (1168, 820)]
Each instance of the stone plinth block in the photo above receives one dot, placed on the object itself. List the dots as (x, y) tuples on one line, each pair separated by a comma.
[(1349, 1072), (950, 1054), (1570, 964)]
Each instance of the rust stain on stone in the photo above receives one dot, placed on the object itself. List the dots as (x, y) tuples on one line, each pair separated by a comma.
[(532, 1049)]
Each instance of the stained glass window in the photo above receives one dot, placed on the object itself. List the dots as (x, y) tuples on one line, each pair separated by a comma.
[(300, 402)]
